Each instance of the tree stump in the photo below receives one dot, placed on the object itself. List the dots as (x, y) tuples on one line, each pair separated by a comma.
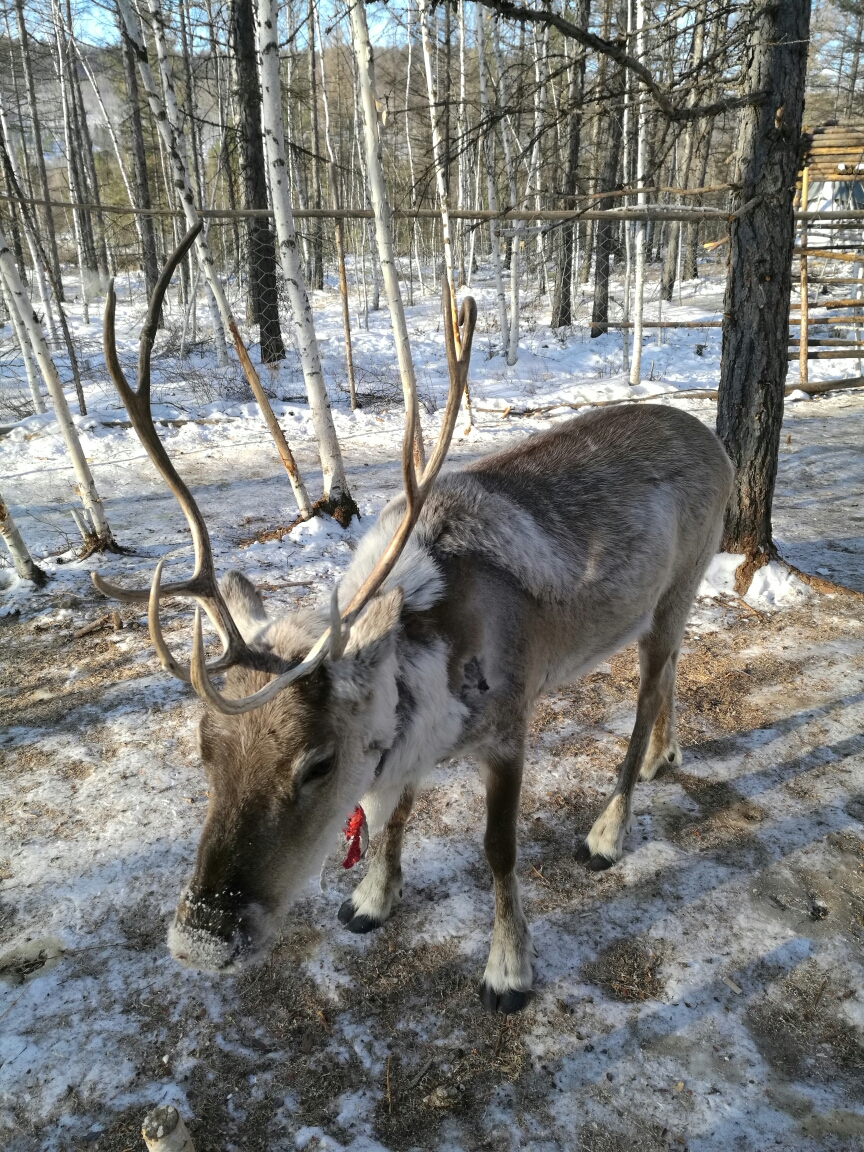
[(164, 1131)]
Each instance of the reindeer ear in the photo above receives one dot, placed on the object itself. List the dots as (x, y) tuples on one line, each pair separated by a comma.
[(372, 640), (244, 603)]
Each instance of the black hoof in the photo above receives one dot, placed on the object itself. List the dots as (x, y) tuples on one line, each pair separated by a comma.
[(355, 922), (596, 863), (583, 855), (363, 924), (513, 1000)]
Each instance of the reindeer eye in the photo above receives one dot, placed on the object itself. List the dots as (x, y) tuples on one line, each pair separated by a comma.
[(319, 769)]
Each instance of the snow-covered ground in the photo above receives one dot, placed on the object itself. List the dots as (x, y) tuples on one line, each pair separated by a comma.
[(706, 992)]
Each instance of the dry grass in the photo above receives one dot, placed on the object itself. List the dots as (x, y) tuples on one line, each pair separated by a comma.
[(416, 1003), (628, 970), (798, 1028)]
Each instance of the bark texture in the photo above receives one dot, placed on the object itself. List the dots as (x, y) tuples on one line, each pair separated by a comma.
[(261, 248), (336, 500), (562, 301), (47, 215), (756, 308), (607, 182), (25, 565), (149, 261)]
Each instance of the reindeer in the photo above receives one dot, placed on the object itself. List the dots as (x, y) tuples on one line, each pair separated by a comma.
[(473, 593)]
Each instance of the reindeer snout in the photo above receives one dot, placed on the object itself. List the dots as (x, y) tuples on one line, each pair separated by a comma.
[(210, 933)]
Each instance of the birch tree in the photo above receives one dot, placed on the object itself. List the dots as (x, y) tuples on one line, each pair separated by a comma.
[(166, 116), (337, 499), (381, 209), (30, 369), (36, 126), (642, 202), (489, 167), (101, 538), (25, 565), (35, 261)]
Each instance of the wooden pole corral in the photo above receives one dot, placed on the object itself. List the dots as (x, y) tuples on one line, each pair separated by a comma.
[(164, 1131), (802, 360)]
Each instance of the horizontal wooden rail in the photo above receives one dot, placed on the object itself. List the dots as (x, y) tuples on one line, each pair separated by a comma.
[(830, 254), (832, 354), (852, 302), (795, 341), (659, 212), (670, 212), (831, 321), (661, 324)]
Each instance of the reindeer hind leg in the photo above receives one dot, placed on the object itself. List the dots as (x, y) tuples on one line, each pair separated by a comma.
[(653, 732)]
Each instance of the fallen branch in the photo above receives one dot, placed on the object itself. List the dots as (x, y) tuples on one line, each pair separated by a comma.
[(98, 624)]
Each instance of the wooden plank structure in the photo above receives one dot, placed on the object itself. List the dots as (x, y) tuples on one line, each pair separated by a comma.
[(832, 154)]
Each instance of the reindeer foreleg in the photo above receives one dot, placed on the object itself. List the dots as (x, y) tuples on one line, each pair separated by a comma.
[(372, 901)]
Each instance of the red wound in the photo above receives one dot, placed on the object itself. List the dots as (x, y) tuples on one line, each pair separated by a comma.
[(354, 834)]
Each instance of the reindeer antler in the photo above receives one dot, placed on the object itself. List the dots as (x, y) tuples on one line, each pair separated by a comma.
[(202, 585), (415, 496)]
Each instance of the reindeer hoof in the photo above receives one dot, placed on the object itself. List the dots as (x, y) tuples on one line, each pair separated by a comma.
[(513, 1000), (357, 922), (593, 863)]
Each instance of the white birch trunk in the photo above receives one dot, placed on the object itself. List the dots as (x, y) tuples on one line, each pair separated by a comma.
[(35, 260), (86, 485), (30, 368), (462, 137), (25, 565), (332, 467), (115, 143), (628, 229), (489, 165), (642, 201), (437, 143), (166, 115), (65, 96), (409, 8), (541, 57), (510, 169), (381, 209), (217, 301), (339, 225), (440, 174)]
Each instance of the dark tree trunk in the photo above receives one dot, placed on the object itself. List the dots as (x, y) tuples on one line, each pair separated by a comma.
[(262, 251), (690, 267), (562, 301), (149, 261), (46, 213), (607, 182), (756, 306)]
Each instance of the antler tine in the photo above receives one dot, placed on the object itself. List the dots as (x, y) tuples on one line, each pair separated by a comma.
[(201, 682), (202, 585), (416, 495), (332, 642), (457, 366), (337, 638), (151, 322)]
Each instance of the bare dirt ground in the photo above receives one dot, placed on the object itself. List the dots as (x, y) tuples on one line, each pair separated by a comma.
[(706, 993)]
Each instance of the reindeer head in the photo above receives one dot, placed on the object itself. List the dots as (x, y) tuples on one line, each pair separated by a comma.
[(293, 740)]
